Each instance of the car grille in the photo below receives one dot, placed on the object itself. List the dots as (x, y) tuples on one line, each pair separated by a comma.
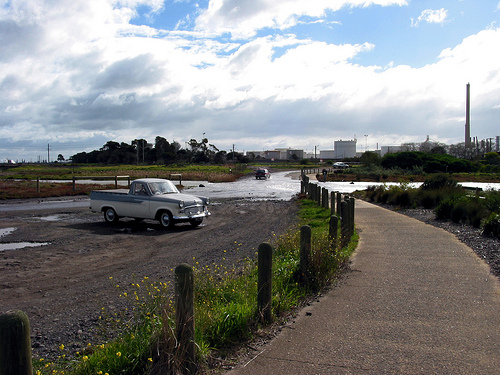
[(194, 210)]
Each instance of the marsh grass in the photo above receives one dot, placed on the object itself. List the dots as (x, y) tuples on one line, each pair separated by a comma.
[(212, 173), (20, 183), (225, 308), (27, 189)]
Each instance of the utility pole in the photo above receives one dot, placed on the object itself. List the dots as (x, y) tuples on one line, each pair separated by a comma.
[(48, 153)]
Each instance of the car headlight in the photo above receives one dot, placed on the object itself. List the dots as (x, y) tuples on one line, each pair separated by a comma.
[(181, 204), (207, 201)]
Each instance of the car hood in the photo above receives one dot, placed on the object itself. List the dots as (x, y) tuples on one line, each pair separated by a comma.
[(176, 197)]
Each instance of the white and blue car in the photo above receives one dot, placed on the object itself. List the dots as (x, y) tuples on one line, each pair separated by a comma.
[(150, 198)]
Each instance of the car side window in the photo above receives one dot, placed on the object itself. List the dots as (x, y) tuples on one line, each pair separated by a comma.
[(140, 189)]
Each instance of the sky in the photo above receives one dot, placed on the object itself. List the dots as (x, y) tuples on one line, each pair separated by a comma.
[(250, 74)]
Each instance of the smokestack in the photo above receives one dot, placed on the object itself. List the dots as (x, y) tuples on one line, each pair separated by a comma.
[(467, 117)]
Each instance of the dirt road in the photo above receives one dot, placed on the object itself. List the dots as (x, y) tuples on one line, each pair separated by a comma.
[(63, 285)]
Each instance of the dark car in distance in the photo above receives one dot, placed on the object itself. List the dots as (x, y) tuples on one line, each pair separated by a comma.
[(262, 174)]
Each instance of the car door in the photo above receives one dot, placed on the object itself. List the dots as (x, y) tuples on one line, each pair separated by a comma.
[(141, 197)]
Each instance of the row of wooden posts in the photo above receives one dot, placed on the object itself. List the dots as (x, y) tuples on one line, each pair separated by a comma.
[(341, 207), (342, 211), (172, 176), (15, 345)]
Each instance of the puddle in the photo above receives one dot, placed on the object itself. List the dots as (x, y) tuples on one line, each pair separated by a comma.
[(16, 245), (20, 245), (54, 217), (6, 231)]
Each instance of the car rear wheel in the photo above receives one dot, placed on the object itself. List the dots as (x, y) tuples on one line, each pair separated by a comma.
[(110, 215), (166, 220)]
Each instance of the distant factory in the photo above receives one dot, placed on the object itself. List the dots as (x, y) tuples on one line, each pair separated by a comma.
[(346, 149)]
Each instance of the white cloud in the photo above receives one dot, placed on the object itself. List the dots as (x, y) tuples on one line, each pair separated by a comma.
[(242, 18), (84, 76), (431, 16)]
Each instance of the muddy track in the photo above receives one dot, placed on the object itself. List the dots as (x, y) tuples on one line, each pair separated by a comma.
[(62, 286)]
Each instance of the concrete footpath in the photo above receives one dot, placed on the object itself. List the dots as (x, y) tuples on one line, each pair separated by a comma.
[(416, 302)]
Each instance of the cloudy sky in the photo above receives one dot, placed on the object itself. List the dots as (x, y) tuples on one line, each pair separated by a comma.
[(258, 74)]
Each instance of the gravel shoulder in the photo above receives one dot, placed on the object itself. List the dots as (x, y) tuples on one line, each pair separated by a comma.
[(63, 285)]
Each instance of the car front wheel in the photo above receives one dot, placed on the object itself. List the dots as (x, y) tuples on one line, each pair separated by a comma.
[(196, 222), (166, 220)]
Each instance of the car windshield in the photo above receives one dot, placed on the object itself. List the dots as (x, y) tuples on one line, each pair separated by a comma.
[(162, 187)]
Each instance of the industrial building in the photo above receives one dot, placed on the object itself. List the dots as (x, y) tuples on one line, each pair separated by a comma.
[(345, 149)]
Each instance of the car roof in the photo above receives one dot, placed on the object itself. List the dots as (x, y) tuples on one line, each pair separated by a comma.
[(151, 180)]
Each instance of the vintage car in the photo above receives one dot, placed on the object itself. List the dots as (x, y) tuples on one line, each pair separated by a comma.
[(340, 165), (262, 173), (150, 198)]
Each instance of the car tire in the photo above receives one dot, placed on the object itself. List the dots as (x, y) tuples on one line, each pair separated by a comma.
[(196, 222), (110, 216), (166, 220)]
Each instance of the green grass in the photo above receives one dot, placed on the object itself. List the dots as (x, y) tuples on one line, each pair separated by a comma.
[(225, 307), (212, 173)]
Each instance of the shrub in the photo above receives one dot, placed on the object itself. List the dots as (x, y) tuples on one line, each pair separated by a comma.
[(439, 181), (443, 210), (492, 225), (458, 213), (429, 198), (400, 197), (466, 209)]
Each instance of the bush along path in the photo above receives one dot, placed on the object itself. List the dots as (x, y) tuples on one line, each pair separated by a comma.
[(212, 310), (441, 193)]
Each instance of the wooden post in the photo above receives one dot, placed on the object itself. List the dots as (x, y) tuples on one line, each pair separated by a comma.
[(334, 231), (38, 184), (318, 195), (324, 198), (264, 285), (352, 206), (74, 183), (339, 201), (305, 253), (344, 226), (15, 344), (184, 316), (116, 182), (332, 199)]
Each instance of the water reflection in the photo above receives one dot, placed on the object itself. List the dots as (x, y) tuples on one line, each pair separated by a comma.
[(281, 186), (349, 187)]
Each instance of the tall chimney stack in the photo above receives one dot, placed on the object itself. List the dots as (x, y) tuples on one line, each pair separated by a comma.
[(467, 117)]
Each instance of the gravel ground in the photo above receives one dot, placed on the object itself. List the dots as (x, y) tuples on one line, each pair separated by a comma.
[(486, 247)]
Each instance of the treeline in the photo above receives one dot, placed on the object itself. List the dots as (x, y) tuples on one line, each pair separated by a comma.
[(161, 152), (424, 162)]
